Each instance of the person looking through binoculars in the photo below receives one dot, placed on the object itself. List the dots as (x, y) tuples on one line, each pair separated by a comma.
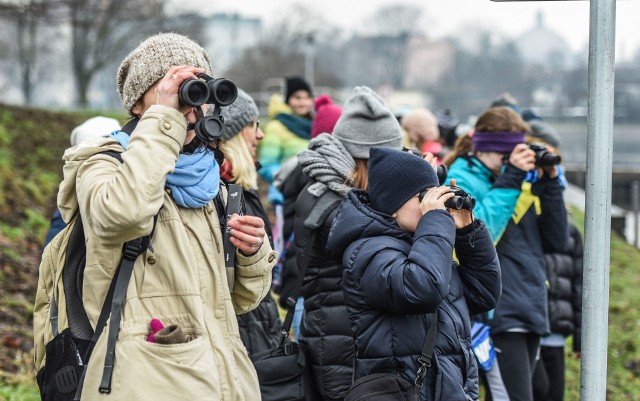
[(165, 187)]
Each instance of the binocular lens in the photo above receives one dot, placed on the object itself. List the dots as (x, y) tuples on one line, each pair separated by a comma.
[(209, 129), (470, 203), (194, 92), (224, 91), (455, 203), (549, 159)]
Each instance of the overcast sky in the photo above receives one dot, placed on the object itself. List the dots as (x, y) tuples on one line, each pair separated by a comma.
[(568, 18)]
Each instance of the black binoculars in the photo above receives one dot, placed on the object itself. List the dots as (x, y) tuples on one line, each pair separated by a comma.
[(543, 156), (460, 200), (218, 92)]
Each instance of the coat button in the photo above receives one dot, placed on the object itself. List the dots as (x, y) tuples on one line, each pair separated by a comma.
[(272, 257), (166, 125), (151, 259)]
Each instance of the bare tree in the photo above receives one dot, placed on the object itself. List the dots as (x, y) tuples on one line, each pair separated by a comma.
[(282, 51), (103, 30), (25, 19), (394, 20)]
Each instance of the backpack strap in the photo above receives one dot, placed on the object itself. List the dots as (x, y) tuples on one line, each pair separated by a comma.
[(321, 209), (72, 277), (131, 251)]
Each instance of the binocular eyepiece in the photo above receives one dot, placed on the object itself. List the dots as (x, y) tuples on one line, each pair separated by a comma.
[(218, 92), (543, 156)]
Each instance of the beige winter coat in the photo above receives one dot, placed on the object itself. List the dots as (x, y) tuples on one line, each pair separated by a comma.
[(180, 280)]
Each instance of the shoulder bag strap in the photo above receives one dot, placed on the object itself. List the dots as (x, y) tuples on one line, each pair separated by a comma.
[(427, 351)]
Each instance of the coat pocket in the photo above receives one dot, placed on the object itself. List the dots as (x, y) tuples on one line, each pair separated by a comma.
[(151, 371)]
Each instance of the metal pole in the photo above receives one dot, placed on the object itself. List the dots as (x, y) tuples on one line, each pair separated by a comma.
[(308, 59), (595, 297), (635, 204)]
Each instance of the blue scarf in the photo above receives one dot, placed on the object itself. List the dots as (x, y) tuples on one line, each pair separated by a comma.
[(196, 178), (296, 124)]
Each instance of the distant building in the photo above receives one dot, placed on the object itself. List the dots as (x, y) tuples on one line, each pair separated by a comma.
[(227, 36), (542, 46), (427, 61)]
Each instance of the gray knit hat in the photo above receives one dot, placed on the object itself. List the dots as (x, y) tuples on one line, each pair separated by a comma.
[(365, 122), (237, 115), (151, 60)]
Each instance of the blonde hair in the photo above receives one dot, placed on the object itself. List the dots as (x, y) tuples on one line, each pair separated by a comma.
[(243, 165)]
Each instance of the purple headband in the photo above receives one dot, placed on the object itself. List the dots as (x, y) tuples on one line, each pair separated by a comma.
[(496, 141)]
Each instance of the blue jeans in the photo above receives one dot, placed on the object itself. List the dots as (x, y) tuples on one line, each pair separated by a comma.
[(297, 318)]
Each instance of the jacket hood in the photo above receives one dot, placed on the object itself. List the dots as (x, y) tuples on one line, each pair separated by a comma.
[(73, 159), (277, 106), (356, 220)]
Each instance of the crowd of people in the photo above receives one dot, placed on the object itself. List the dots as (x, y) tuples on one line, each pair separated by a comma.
[(393, 273)]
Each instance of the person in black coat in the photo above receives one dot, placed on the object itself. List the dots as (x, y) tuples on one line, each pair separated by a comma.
[(564, 275), (334, 164), (260, 328), (398, 270)]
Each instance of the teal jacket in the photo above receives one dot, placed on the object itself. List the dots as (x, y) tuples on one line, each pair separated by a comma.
[(496, 197)]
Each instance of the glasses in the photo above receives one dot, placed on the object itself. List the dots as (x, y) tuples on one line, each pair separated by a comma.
[(255, 125)]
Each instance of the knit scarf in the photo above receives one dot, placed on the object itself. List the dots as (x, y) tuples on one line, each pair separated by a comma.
[(296, 124), (195, 181), (329, 164)]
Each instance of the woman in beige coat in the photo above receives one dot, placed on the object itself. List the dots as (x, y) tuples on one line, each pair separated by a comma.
[(181, 279)]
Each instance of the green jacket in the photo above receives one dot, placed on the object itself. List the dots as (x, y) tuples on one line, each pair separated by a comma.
[(280, 143), (180, 280)]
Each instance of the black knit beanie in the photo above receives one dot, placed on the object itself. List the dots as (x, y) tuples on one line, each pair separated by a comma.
[(295, 84), (395, 177)]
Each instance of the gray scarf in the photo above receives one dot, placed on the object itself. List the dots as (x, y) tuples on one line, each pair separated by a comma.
[(329, 164)]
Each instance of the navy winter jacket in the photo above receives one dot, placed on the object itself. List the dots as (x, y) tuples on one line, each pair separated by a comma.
[(394, 282), (526, 220)]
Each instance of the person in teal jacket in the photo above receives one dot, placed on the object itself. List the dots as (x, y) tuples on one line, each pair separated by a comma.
[(523, 208), (288, 131)]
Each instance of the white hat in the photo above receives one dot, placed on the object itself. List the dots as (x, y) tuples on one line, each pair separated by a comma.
[(94, 127)]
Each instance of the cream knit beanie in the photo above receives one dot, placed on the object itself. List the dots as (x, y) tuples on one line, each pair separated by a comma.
[(151, 60)]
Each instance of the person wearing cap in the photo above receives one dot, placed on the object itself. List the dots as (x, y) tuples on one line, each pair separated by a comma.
[(288, 131), (260, 328), (335, 163), (525, 217), (290, 180), (164, 188), (397, 241), (91, 129)]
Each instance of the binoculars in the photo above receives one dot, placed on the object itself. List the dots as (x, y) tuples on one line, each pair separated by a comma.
[(218, 92), (460, 200)]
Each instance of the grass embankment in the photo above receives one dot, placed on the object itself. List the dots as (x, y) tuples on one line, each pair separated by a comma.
[(32, 142), (31, 145)]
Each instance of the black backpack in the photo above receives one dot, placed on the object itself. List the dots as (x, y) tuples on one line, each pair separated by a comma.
[(67, 354)]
